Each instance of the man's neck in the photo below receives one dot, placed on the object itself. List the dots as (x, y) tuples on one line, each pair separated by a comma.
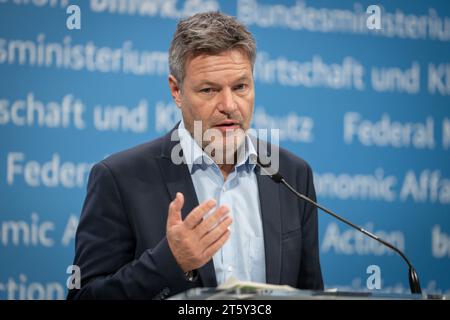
[(226, 169)]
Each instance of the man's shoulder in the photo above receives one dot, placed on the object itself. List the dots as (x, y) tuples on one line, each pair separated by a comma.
[(141, 154)]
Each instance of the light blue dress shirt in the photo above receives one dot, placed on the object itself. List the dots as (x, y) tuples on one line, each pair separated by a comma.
[(242, 256)]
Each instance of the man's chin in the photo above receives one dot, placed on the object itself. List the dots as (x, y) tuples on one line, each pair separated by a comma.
[(224, 152)]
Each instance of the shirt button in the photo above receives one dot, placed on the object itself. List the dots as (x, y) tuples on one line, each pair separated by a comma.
[(230, 268)]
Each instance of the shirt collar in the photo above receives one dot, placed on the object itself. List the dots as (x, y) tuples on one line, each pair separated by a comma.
[(196, 158)]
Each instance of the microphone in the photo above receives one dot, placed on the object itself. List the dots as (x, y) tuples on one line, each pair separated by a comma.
[(414, 283)]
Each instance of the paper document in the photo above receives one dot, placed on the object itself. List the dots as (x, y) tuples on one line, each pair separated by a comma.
[(233, 283)]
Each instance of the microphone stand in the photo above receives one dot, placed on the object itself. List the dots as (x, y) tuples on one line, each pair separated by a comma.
[(414, 283)]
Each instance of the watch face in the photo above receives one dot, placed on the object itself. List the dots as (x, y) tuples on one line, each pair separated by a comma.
[(190, 275)]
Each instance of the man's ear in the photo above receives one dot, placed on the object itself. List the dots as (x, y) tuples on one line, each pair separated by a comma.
[(175, 90)]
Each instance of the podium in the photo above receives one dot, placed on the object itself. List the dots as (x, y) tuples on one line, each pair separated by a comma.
[(264, 294)]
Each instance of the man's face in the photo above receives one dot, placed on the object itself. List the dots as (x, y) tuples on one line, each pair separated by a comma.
[(218, 91)]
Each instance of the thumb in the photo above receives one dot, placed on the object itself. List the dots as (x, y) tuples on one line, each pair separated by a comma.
[(175, 207)]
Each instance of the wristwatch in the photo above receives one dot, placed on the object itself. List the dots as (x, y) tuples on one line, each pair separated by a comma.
[(191, 275)]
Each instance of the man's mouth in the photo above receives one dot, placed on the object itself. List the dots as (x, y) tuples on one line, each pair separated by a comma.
[(228, 125)]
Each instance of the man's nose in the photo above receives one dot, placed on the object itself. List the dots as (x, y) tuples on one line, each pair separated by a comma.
[(227, 103)]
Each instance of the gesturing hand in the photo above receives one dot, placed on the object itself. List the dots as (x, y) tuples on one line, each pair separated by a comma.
[(195, 240)]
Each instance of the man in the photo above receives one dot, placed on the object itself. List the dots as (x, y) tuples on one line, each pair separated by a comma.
[(153, 226)]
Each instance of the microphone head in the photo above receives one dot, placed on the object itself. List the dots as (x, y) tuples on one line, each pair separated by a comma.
[(275, 176), (261, 164)]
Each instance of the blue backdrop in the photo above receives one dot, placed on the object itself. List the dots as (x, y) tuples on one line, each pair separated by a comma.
[(368, 109)]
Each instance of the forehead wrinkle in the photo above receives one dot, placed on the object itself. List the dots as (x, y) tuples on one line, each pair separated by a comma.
[(218, 67), (205, 64), (219, 74)]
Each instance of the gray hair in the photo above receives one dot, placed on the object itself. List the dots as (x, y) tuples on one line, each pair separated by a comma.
[(208, 33)]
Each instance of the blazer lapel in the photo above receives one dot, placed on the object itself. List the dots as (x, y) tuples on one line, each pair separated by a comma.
[(178, 179), (271, 220)]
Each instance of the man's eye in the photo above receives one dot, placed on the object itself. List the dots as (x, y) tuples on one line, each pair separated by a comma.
[(240, 87), (206, 90)]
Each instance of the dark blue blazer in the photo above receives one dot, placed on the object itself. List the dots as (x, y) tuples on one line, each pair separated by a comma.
[(121, 246)]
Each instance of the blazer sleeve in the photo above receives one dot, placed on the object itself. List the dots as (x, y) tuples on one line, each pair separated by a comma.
[(105, 247), (310, 276)]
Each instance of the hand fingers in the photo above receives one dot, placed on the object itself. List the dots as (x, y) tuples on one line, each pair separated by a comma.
[(209, 223), (174, 216), (196, 215), (215, 234), (215, 246)]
